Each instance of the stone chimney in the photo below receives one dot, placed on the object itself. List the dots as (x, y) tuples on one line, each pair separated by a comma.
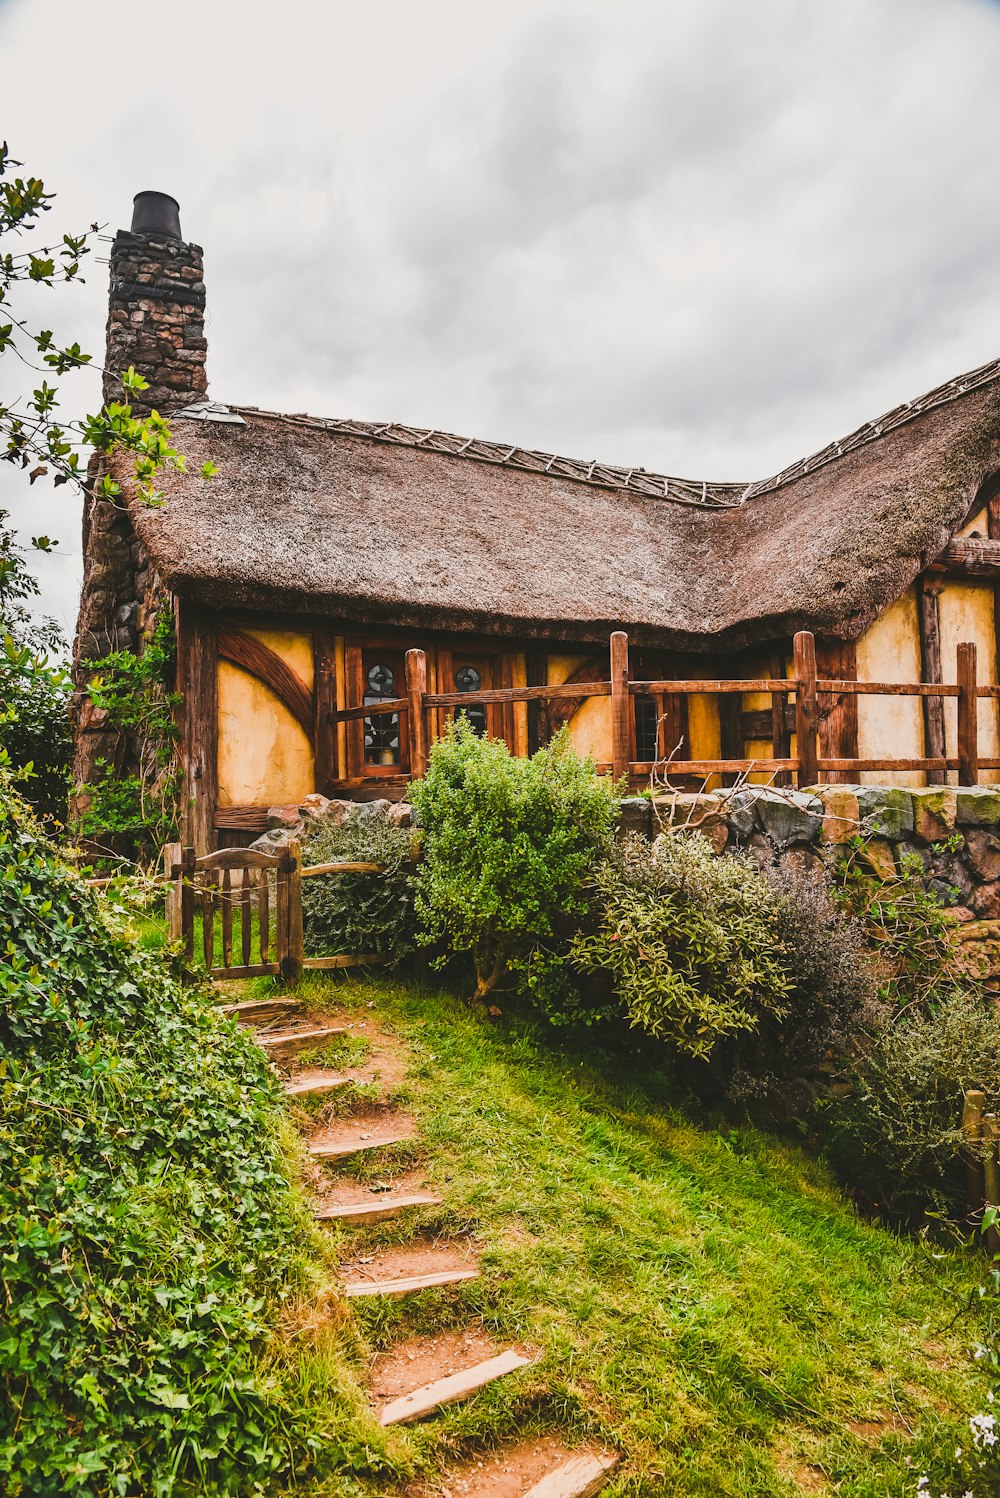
[(156, 314)]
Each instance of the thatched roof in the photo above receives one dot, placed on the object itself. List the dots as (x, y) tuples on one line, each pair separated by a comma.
[(386, 525)]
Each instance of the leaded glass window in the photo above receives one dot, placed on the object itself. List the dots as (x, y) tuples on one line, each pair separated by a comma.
[(468, 679), (381, 729)]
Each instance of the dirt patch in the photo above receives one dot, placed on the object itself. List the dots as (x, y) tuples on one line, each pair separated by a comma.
[(423, 1360), (807, 1479), (508, 1474), (339, 1191), (424, 1256), (873, 1431), (383, 1063), (384, 1128)]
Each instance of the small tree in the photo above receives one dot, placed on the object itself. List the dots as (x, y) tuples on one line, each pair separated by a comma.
[(507, 847)]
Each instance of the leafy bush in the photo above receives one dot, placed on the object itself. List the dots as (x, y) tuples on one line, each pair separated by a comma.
[(149, 1234), (896, 1134), (831, 1005), (507, 847), (360, 912), (691, 941)]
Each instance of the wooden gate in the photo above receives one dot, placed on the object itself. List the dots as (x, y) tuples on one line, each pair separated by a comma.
[(246, 890)]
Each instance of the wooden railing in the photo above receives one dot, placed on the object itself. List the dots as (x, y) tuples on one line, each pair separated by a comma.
[(257, 895), (981, 1136), (804, 689)]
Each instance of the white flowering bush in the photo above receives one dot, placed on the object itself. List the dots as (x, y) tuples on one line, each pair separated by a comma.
[(973, 1470)]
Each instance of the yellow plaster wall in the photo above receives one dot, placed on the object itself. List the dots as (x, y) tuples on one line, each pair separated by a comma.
[(265, 759), (590, 728), (295, 649), (705, 731), (519, 678), (889, 650), (979, 523), (967, 614)]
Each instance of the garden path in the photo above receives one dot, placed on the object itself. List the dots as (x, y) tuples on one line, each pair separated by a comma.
[(419, 1377)]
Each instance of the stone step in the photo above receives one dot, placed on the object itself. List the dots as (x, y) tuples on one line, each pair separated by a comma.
[(342, 1149), (289, 1043), (374, 1211), (411, 1283), (581, 1477), (315, 1086), (256, 1011), (430, 1397)]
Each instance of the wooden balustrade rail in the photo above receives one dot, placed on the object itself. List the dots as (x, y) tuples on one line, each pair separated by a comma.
[(805, 687)]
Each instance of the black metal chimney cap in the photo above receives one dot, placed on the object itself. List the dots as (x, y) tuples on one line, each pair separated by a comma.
[(156, 213)]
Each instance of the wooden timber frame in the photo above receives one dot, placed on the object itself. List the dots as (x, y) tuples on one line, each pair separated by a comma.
[(812, 691)]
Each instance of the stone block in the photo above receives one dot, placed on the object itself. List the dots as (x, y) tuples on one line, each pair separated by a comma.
[(635, 814), (934, 810), (284, 816), (880, 858), (841, 814), (402, 814), (985, 901), (949, 870), (886, 811), (314, 805), (369, 811), (685, 809), (978, 960), (738, 809), (982, 853), (788, 817), (977, 806)]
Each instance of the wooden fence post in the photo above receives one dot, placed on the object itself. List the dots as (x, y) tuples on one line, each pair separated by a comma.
[(968, 716), (290, 938), (991, 1171), (806, 706), (172, 855), (185, 900), (973, 1108), (620, 736), (416, 717)]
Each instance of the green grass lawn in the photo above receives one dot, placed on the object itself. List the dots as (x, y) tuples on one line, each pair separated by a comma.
[(706, 1301)]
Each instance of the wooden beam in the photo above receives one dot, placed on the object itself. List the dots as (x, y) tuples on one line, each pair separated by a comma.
[(971, 556), (198, 673), (537, 673), (931, 669), (838, 711), (324, 730), (968, 716), (621, 712), (416, 717), (730, 729), (806, 707), (261, 661)]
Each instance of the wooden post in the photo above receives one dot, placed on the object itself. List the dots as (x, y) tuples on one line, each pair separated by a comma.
[(991, 1172), (172, 855), (290, 938), (973, 1108), (968, 716), (185, 900), (620, 705), (416, 716), (837, 715), (198, 677), (806, 706), (537, 673), (931, 669), (324, 705)]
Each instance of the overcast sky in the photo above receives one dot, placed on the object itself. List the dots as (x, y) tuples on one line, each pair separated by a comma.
[(704, 236)]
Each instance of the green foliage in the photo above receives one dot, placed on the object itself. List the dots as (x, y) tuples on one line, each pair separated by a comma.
[(149, 1235), (691, 941), (355, 913), (896, 1133), (136, 693), (35, 740), (507, 847)]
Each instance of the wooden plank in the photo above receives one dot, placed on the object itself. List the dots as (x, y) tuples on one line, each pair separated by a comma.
[(931, 670), (187, 902), (415, 667), (620, 715), (342, 868), (239, 858), (324, 732), (226, 901), (253, 656), (519, 694), (806, 706), (853, 765), (838, 711), (280, 1047), (582, 1476), (412, 1284), (256, 970), (198, 673), (373, 709), (264, 915), (537, 674), (711, 766), (259, 1010), (376, 1210), (316, 1086), (968, 715), (292, 951), (974, 1106), (888, 688), (172, 856), (208, 924), (443, 1391), (328, 964), (241, 818), (711, 685), (245, 931), (342, 1149)]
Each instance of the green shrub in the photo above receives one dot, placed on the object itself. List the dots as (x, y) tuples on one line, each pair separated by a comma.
[(831, 1008), (360, 912), (148, 1232), (507, 846), (690, 941), (896, 1134)]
